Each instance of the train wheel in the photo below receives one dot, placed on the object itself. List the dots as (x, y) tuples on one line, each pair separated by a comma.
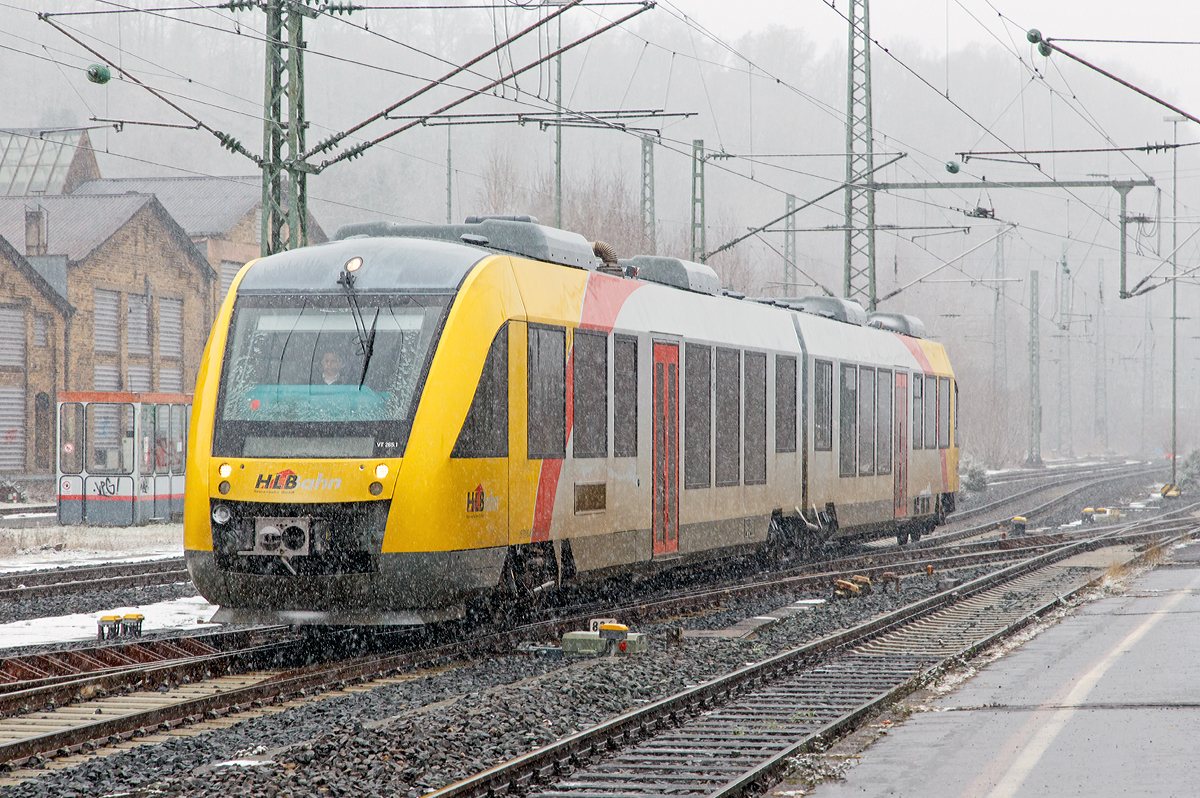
[(902, 537), (916, 535)]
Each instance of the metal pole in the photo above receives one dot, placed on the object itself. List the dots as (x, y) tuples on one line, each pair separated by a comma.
[(1101, 376), (1174, 293), (1035, 388), (789, 248), (1065, 447), (449, 181), (698, 248), (648, 221), (558, 220), (859, 268), (999, 333)]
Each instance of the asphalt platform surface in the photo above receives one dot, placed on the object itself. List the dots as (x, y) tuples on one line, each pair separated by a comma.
[(1104, 702)]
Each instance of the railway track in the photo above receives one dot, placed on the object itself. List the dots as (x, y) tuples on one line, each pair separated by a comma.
[(737, 734), (85, 579), (61, 718)]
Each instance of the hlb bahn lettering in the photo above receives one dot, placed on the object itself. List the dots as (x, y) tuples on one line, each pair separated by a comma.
[(290, 480), (478, 501)]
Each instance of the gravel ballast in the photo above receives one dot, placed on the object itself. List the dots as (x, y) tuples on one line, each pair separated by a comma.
[(408, 738)]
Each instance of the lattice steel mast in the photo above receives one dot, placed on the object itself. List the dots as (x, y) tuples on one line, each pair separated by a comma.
[(284, 171), (859, 272)]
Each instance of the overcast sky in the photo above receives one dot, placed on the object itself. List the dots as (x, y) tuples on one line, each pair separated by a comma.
[(933, 23)]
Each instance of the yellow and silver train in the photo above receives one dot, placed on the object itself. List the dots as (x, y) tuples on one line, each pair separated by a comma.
[(403, 421)]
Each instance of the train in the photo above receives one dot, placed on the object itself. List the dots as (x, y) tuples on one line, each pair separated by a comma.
[(409, 423)]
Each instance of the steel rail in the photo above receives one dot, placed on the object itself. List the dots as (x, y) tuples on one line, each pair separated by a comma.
[(63, 581), (567, 752)]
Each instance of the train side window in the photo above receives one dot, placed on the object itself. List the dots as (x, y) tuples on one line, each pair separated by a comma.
[(823, 406), (729, 416), (943, 412), (484, 432), (697, 426), (625, 409), (956, 412), (918, 396), (785, 403), (866, 421), (70, 438), (883, 422), (930, 412), (756, 418), (847, 417), (589, 389)]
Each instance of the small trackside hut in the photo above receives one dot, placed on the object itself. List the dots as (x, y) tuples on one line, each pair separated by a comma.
[(121, 457)]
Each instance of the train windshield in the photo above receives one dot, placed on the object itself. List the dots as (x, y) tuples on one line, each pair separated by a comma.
[(321, 377)]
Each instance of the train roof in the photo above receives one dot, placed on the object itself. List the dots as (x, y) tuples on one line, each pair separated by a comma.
[(414, 266)]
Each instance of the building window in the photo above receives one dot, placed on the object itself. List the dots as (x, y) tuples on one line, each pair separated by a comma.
[(918, 392), (866, 421), (883, 422), (12, 337), (229, 270), (625, 391), (943, 412), (12, 428), (930, 412), (756, 418), (697, 428), (40, 337), (484, 432), (170, 380), (823, 406), (547, 392), (729, 416), (847, 416), (106, 377), (170, 328), (139, 379), (589, 388), (105, 326), (137, 326), (785, 403)]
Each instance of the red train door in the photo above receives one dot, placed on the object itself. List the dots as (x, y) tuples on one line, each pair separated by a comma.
[(666, 448), (900, 467)]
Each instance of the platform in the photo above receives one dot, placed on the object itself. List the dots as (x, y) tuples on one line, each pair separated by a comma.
[(1105, 702)]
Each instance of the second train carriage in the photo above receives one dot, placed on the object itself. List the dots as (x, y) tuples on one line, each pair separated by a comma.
[(405, 419)]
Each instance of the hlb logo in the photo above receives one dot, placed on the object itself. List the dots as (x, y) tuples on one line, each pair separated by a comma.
[(478, 501), (284, 480), (290, 480)]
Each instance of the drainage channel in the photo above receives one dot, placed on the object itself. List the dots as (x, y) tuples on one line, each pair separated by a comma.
[(735, 734)]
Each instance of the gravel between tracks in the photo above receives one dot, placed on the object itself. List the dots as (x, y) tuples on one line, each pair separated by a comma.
[(406, 739), (97, 602)]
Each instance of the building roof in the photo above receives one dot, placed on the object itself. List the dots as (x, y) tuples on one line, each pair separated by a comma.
[(203, 206), (75, 225), (44, 162), (12, 254)]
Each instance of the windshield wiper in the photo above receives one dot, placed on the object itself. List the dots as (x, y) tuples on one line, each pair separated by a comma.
[(367, 345)]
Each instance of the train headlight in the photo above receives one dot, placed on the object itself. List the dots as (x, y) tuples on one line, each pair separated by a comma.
[(221, 514), (381, 471), (225, 470), (353, 264)]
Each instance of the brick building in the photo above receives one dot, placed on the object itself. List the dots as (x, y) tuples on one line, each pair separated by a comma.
[(33, 321), (136, 297), (222, 215)]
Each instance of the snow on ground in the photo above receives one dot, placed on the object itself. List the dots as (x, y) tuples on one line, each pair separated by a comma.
[(185, 613), (23, 549)]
